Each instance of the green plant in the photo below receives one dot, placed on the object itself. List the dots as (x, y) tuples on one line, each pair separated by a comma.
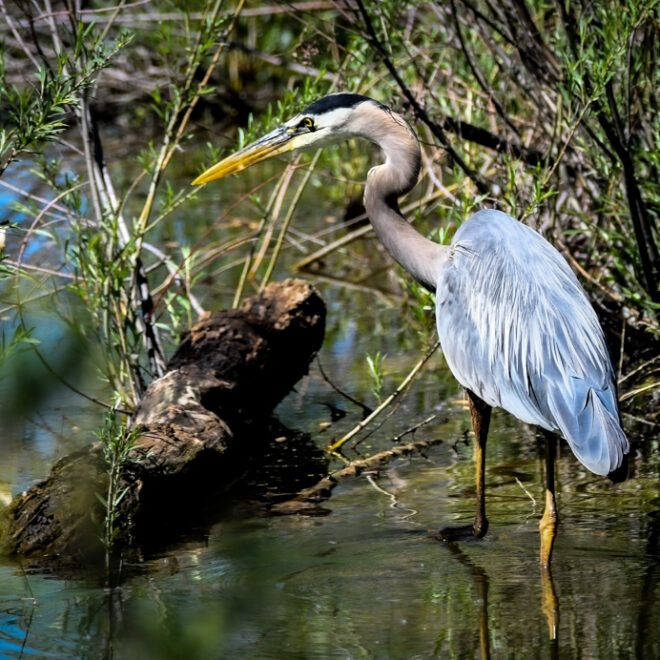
[(376, 365), (39, 113), (118, 442), (106, 295)]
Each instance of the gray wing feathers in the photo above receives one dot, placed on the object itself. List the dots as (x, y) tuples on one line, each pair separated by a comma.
[(517, 329), (588, 418)]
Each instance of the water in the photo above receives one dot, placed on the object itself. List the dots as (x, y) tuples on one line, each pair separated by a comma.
[(367, 580)]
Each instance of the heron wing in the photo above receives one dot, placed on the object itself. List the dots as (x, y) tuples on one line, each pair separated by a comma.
[(518, 330)]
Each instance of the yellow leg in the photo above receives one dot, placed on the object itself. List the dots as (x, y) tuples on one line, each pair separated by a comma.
[(548, 524), (480, 413)]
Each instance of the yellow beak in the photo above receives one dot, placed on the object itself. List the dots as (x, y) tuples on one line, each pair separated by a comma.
[(274, 143)]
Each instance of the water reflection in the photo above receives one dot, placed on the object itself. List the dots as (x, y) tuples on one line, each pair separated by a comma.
[(367, 581), (480, 578), (549, 602)]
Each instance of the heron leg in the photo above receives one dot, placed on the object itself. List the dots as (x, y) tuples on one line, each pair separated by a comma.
[(548, 524), (480, 413)]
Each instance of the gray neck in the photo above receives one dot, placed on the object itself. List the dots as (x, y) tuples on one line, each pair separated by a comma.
[(419, 256)]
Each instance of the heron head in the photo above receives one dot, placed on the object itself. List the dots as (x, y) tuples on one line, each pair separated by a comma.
[(327, 120)]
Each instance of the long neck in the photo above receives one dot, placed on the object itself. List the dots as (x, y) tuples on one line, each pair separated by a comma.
[(419, 256)]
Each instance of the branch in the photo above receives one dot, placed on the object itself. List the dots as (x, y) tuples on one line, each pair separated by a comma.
[(640, 217), (490, 140), (307, 500), (478, 75)]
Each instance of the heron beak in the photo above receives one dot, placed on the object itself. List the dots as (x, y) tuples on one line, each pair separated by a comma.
[(274, 143)]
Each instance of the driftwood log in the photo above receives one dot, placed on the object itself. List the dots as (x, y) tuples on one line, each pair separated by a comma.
[(207, 425)]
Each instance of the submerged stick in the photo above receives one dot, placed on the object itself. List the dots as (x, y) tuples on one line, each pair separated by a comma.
[(309, 498)]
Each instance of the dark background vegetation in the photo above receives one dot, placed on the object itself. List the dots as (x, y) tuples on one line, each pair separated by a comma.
[(545, 109)]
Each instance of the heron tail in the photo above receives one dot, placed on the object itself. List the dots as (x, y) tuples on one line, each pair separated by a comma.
[(589, 420)]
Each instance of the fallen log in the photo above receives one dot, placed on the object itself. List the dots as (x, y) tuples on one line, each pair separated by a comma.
[(205, 424)]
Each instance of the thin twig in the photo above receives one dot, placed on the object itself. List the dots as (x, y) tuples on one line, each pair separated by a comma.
[(387, 402), (394, 501), (639, 368), (639, 390), (366, 409), (531, 497), (413, 428), (287, 218)]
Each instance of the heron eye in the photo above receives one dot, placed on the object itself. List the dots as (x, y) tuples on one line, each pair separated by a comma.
[(308, 123)]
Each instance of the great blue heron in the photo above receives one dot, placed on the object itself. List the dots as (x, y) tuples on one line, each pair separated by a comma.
[(516, 327)]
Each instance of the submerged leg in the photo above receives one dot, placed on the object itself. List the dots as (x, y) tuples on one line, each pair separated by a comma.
[(480, 413), (548, 524)]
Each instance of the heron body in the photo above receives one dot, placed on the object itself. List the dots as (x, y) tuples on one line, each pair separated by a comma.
[(515, 325), (518, 330)]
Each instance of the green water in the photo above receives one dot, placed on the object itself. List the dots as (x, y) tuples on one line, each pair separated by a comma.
[(366, 580)]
